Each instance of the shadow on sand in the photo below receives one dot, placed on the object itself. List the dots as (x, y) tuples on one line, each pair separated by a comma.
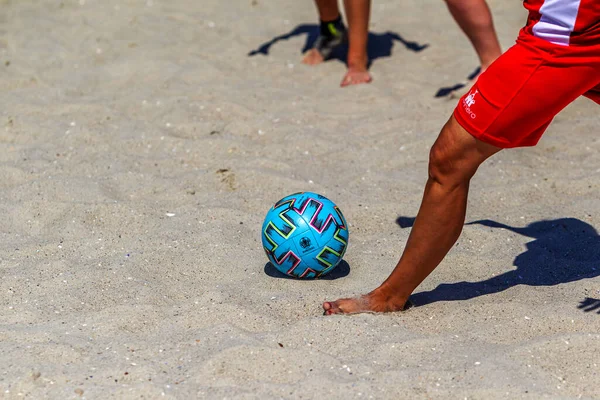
[(342, 270), (589, 304), (446, 91), (380, 44), (563, 250)]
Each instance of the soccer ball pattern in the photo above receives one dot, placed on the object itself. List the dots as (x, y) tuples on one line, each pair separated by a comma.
[(305, 235)]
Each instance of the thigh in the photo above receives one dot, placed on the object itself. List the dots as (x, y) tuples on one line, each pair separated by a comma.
[(514, 101), (594, 94)]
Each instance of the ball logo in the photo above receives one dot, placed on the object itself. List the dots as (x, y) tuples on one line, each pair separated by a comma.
[(305, 243)]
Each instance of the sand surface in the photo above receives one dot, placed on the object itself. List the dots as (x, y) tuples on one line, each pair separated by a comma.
[(141, 148)]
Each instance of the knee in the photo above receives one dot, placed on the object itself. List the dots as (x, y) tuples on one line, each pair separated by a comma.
[(442, 166), (449, 163), (456, 155)]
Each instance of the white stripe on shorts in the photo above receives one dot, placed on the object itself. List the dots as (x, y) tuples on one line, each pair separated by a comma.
[(557, 22)]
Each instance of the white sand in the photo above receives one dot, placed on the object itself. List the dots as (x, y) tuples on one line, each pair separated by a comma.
[(132, 268)]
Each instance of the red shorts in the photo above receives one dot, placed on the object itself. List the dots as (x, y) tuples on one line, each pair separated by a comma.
[(515, 99)]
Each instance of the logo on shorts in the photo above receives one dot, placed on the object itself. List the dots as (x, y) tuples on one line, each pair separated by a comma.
[(468, 102)]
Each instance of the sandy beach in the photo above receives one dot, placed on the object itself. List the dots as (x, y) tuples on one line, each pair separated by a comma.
[(141, 147)]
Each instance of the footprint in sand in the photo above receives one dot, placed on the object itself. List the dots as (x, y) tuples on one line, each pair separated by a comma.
[(227, 178)]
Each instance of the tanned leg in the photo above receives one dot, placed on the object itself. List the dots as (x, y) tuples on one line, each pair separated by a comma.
[(454, 159), (475, 19), (357, 13), (328, 9)]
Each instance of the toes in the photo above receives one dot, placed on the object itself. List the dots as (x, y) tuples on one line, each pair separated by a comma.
[(349, 80), (355, 79), (312, 57), (331, 308), (342, 306)]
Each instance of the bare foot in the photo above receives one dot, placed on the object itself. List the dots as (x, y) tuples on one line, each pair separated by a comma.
[(370, 303), (312, 57), (355, 76)]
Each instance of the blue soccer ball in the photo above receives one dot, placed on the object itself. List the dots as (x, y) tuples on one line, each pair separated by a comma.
[(305, 235)]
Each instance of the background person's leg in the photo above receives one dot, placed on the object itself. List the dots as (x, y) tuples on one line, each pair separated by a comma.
[(357, 14), (475, 19), (328, 11)]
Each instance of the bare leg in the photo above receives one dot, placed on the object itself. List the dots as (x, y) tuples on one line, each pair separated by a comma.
[(454, 159), (475, 19), (357, 12), (328, 11)]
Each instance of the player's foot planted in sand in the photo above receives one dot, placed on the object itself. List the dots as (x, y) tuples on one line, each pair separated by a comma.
[(375, 302)]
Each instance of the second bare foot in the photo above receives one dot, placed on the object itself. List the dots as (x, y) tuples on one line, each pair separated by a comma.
[(312, 57), (355, 76)]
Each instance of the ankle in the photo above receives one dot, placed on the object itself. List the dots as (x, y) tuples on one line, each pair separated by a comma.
[(357, 60), (333, 28), (390, 295)]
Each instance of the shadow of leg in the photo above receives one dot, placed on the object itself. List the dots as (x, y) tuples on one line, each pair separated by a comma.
[(589, 304)]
